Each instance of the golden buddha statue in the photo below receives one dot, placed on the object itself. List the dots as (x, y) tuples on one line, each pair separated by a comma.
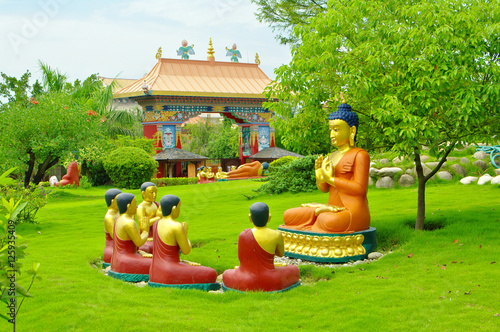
[(248, 170), (127, 238), (147, 210), (256, 250), (209, 174), (109, 224), (169, 240), (344, 175)]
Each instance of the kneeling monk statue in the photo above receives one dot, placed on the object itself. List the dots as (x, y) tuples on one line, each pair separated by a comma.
[(170, 237), (126, 263), (256, 250), (109, 224), (344, 175)]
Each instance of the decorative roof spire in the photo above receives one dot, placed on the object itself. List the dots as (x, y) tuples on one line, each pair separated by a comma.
[(210, 50), (257, 60), (158, 54)]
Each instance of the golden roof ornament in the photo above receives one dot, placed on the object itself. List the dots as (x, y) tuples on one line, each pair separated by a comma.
[(257, 60), (158, 54), (210, 49)]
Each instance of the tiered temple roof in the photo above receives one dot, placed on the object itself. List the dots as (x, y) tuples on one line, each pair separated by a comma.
[(200, 78)]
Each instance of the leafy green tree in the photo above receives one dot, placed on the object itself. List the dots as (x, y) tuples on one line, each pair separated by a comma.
[(213, 140), (426, 72), (37, 136), (224, 141), (283, 15)]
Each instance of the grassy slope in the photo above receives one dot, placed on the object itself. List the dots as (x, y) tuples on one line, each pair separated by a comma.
[(443, 286)]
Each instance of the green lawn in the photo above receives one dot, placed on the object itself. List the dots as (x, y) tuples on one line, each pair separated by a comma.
[(426, 280)]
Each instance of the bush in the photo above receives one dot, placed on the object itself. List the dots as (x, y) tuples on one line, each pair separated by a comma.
[(280, 162), (296, 176), (163, 182), (129, 167), (35, 197)]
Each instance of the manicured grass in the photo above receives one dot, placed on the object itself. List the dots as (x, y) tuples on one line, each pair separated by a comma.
[(427, 280)]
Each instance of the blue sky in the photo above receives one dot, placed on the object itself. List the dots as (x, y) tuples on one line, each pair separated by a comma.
[(120, 38)]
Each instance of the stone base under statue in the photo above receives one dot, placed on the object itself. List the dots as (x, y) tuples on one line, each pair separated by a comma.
[(227, 289), (204, 287), (329, 247), (130, 277)]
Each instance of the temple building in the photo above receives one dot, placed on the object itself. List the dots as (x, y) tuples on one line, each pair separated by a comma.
[(176, 90)]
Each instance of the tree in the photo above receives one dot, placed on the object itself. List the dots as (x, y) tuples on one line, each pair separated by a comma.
[(283, 15), (38, 136), (425, 72), (213, 140)]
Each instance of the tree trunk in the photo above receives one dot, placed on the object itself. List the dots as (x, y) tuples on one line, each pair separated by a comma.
[(43, 167), (419, 223), (29, 171)]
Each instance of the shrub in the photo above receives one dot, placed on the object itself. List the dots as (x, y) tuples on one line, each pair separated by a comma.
[(129, 167), (296, 176), (163, 182), (35, 197), (280, 162)]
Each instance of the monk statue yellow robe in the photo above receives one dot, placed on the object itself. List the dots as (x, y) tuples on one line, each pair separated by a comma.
[(344, 176), (126, 263), (167, 270), (256, 250), (109, 224), (147, 211)]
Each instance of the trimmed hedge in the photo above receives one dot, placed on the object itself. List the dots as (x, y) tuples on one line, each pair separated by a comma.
[(164, 182), (129, 167)]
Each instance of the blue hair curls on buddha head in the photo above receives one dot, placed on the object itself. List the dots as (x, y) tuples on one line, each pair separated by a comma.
[(344, 113)]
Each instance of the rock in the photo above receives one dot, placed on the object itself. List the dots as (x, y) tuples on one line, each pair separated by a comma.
[(406, 180), (481, 164), (464, 161), (497, 171), (459, 170), (433, 164), (409, 171), (496, 180), (370, 181), (444, 175), (373, 172), (451, 158), (484, 179), (469, 179), (389, 171), (426, 169), (372, 163), (374, 255), (398, 160), (480, 155), (424, 158), (384, 161), (385, 182)]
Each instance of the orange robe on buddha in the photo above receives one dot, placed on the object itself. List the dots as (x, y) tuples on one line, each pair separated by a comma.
[(167, 268), (351, 185), (257, 271)]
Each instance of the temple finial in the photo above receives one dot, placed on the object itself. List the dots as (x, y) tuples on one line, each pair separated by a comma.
[(210, 50), (158, 54), (257, 60)]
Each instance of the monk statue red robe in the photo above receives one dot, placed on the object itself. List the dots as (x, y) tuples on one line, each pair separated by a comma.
[(109, 224), (248, 170), (256, 250), (126, 263), (71, 177), (344, 176), (147, 211), (170, 238)]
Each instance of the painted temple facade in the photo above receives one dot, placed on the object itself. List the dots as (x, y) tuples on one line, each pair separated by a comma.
[(177, 90)]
